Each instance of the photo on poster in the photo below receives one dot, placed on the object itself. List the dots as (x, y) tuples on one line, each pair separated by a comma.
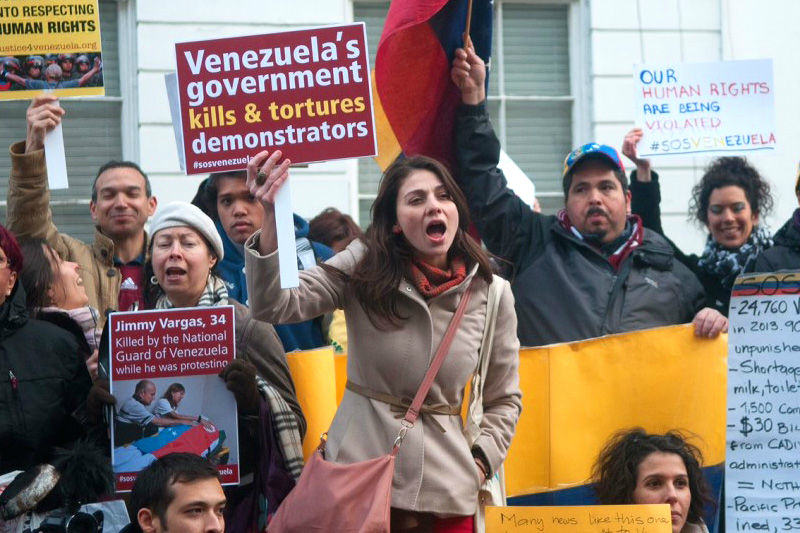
[(165, 375)]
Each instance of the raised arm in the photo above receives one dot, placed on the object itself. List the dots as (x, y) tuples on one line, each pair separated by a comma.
[(86, 78), (29, 214), (645, 189), (508, 226)]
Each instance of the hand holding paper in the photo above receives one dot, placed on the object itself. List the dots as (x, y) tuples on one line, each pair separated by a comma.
[(267, 181), (43, 115)]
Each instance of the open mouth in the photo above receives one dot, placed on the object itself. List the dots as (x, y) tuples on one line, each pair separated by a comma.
[(174, 273), (436, 230)]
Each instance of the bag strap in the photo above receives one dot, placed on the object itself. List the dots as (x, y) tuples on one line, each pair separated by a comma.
[(441, 352)]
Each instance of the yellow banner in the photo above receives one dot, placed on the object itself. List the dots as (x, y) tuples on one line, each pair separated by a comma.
[(38, 27), (36, 34), (574, 397), (580, 519)]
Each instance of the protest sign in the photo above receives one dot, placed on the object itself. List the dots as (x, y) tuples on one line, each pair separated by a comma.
[(580, 519), (35, 34), (164, 374), (762, 490), (690, 108), (305, 92)]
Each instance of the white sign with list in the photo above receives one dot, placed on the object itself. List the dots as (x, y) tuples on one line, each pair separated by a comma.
[(762, 464)]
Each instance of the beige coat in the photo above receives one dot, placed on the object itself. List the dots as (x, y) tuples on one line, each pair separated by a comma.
[(435, 472), (29, 216)]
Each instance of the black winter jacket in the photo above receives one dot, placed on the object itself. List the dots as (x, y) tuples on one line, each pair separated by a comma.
[(645, 202), (43, 380), (785, 252), (565, 290)]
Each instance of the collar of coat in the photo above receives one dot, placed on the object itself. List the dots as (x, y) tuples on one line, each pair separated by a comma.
[(103, 247)]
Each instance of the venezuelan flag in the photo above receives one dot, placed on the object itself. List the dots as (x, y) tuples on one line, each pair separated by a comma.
[(414, 99)]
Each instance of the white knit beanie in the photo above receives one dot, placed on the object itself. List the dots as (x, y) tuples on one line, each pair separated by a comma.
[(176, 214)]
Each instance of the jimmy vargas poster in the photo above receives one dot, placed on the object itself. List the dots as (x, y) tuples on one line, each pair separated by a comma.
[(50, 45), (164, 374), (690, 108), (305, 92)]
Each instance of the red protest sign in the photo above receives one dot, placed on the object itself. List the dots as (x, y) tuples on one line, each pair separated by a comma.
[(305, 92), (164, 368)]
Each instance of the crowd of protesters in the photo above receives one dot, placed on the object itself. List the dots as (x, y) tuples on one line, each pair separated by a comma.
[(601, 265), (51, 71)]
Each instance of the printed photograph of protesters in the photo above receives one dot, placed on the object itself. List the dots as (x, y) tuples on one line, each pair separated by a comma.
[(53, 71)]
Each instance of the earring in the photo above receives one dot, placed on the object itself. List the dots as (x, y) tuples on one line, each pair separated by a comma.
[(397, 230), (154, 279)]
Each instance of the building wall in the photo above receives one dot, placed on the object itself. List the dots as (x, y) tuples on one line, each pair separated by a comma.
[(625, 32), (620, 34), (160, 24)]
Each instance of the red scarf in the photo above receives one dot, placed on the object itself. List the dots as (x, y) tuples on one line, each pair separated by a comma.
[(617, 256), (431, 281)]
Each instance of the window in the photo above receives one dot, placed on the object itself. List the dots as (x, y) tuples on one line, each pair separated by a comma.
[(530, 95), (92, 136)]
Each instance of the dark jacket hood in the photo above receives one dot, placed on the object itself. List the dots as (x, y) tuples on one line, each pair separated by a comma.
[(788, 235)]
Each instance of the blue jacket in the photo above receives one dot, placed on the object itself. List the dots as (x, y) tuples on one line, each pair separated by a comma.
[(301, 336)]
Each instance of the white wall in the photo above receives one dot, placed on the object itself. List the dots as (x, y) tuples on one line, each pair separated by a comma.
[(626, 32), (162, 23), (754, 30)]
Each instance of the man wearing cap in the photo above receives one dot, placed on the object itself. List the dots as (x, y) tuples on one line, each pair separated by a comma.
[(589, 271)]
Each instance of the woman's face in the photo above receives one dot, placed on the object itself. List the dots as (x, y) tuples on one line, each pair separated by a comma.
[(7, 277), (67, 291), (730, 218), (662, 478), (426, 216), (177, 396), (181, 263)]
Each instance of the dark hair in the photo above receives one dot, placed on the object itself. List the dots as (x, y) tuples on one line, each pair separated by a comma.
[(153, 486), (332, 225), (206, 197), (121, 164), (175, 387), (37, 276), (566, 182), (11, 249), (617, 467), (388, 255), (726, 171)]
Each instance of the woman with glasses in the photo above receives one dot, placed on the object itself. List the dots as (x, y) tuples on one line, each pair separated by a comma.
[(43, 380)]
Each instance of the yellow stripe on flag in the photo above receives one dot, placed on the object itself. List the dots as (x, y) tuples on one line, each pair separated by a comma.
[(388, 145)]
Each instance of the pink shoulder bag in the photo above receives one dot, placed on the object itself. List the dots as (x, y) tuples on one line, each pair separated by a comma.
[(356, 497)]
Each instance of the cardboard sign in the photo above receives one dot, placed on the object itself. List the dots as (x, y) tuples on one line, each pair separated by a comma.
[(580, 519), (762, 491), (164, 374), (692, 108), (35, 34), (305, 92)]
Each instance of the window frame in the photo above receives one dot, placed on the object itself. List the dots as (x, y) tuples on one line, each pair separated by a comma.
[(580, 77)]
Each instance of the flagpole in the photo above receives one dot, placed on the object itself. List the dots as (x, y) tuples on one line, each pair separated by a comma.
[(467, 40)]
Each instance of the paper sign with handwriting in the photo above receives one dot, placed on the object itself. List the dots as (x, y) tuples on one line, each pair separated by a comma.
[(762, 490), (580, 519), (691, 108)]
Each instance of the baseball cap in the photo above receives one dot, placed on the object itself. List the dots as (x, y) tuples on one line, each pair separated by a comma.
[(593, 150)]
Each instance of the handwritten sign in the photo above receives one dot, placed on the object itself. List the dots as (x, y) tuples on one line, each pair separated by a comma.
[(37, 34), (762, 490), (693, 108), (580, 519), (305, 92), (164, 368)]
